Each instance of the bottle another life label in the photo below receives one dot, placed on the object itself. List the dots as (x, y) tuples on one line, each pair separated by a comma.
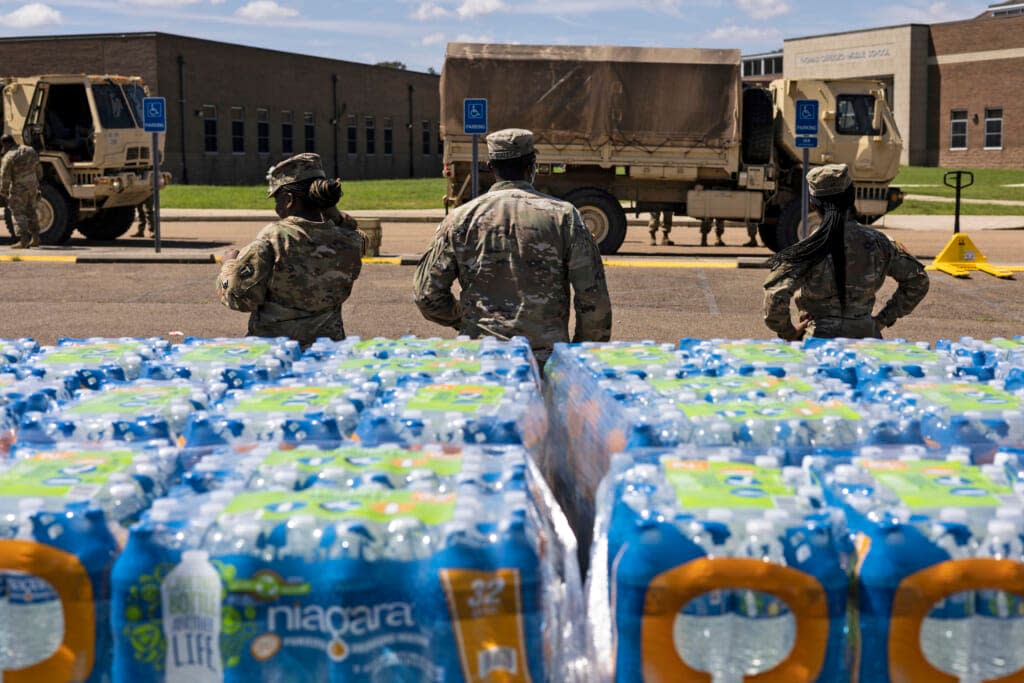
[(191, 595)]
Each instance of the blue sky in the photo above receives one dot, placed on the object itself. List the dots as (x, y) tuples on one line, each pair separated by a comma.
[(415, 31)]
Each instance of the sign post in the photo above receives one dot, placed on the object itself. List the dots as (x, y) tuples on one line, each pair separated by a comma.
[(806, 139), (474, 122), (154, 120)]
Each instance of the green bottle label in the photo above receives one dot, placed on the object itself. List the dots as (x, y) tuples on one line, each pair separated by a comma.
[(429, 365), (702, 484), (934, 484), (741, 411), (225, 352), (71, 473), (632, 356), (962, 396), (754, 352), (461, 398), (88, 354), (302, 399), (130, 400), (390, 460), (338, 504), (731, 385), (890, 352)]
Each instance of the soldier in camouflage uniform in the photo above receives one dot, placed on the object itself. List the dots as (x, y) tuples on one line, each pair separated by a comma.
[(20, 173), (663, 220), (297, 273), (705, 228), (836, 271), (144, 211), (515, 253)]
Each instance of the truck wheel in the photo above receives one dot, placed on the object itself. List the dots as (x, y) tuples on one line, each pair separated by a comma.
[(787, 230), (758, 126), (108, 224), (603, 216), (55, 214)]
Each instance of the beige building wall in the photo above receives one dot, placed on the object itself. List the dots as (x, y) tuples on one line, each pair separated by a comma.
[(897, 55)]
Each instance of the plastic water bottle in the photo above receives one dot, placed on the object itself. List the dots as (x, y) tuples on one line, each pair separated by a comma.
[(946, 631), (764, 628), (999, 620), (191, 596), (704, 628)]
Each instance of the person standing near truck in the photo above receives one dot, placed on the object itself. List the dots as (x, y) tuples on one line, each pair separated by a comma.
[(515, 252), (20, 174), (705, 228), (144, 211), (663, 220), (837, 270)]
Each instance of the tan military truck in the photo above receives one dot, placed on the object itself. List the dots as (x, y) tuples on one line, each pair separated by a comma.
[(94, 152), (666, 128)]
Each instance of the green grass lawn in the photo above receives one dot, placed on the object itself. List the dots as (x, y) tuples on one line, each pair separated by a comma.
[(418, 193), (918, 208), (989, 183)]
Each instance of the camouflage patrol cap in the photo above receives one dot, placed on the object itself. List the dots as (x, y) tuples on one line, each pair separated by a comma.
[(831, 179), (293, 170), (510, 143)]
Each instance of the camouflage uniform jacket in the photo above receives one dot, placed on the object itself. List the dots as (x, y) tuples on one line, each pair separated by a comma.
[(20, 171), (870, 257), (515, 253), (294, 278)]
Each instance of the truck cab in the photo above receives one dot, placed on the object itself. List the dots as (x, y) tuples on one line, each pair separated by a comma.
[(94, 152)]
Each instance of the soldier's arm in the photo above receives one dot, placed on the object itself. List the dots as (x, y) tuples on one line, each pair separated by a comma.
[(5, 175), (913, 285), (777, 296), (352, 265), (242, 282), (589, 288), (435, 274)]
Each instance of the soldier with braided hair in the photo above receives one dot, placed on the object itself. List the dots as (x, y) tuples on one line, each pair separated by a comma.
[(837, 270), (298, 272)]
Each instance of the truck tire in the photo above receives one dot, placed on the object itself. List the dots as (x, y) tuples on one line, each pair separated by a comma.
[(758, 126), (603, 215), (55, 213), (108, 224), (787, 230)]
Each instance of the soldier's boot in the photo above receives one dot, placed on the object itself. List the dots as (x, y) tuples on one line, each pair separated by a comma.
[(654, 234), (719, 242), (665, 241), (23, 242), (703, 239), (34, 242), (751, 243), (140, 232)]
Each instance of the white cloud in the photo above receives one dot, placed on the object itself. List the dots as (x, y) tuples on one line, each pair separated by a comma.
[(30, 16), (932, 13), (432, 39), (263, 10), (740, 34), (763, 9), (430, 10), (475, 8), (467, 38)]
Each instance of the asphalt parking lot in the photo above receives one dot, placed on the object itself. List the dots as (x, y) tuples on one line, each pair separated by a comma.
[(660, 293)]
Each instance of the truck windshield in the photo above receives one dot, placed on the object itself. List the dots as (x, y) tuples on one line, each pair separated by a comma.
[(114, 111), (854, 114), (135, 93)]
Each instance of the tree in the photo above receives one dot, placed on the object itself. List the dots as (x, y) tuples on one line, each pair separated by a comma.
[(392, 65), (432, 71)]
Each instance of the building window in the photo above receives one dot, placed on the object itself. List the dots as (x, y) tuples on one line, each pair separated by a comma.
[(309, 128), (371, 135), (263, 131), (209, 129), (352, 136), (237, 130), (425, 136), (776, 65), (994, 128), (389, 137), (287, 133), (958, 129)]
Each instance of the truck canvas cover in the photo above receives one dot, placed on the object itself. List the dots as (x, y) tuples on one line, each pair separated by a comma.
[(598, 95)]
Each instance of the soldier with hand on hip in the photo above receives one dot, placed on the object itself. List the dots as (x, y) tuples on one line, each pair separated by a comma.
[(20, 175), (836, 271), (516, 253)]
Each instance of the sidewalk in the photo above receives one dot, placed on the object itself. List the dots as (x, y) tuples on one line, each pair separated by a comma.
[(434, 216)]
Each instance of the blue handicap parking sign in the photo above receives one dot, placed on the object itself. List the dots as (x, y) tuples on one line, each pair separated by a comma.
[(474, 116), (154, 114), (807, 117), (806, 141)]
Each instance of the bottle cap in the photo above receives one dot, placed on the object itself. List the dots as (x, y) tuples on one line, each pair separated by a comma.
[(1001, 527), (953, 515), (190, 556), (766, 461), (760, 527)]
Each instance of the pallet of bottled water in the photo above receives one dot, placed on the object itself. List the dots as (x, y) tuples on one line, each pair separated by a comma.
[(349, 563), (940, 562), (708, 564), (237, 362), (64, 513)]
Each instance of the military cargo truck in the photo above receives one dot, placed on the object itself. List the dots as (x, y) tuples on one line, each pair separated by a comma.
[(94, 152), (666, 128)]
